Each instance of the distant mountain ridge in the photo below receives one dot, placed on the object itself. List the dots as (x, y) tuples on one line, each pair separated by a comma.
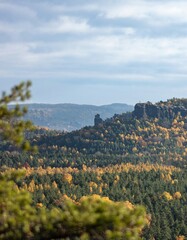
[(68, 117)]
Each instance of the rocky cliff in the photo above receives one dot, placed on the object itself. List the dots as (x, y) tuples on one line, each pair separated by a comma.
[(149, 110)]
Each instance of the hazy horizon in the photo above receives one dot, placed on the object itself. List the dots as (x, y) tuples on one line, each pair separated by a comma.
[(66, 103)]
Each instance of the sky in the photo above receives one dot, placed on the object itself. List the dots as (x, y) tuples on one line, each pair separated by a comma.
[(95, 52)]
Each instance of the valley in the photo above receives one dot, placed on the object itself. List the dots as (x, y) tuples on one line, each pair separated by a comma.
[(138, 157)]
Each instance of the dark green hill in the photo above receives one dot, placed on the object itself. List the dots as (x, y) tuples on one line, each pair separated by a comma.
[(70, 117)]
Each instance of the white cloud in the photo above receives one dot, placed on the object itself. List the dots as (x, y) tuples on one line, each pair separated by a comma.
[(66, 24), (76, 7), (18, 56), (153, 11), (96, 51), (73, 25), (86, 48), (115, 50)]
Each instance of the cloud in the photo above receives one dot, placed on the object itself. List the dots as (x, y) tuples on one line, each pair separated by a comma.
[(17, 11), (14, 28), (154, 12), (75, 7), (98, 52), (119, 42), (66, 24)]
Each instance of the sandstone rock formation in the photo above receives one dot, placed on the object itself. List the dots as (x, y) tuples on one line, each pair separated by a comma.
[(149, 110)]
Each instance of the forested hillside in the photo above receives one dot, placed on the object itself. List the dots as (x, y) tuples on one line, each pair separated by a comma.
[(70, 117), (91, 217), (132, 157)]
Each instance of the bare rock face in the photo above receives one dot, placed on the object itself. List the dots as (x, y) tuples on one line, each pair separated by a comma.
[(152, 110), (98, 120), (146, 110), (149, 110), (139, 110)]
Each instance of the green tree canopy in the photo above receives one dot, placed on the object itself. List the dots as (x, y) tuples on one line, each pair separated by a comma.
[(12, 127)]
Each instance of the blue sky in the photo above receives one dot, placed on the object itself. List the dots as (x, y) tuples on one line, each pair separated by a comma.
[(95, 52)]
